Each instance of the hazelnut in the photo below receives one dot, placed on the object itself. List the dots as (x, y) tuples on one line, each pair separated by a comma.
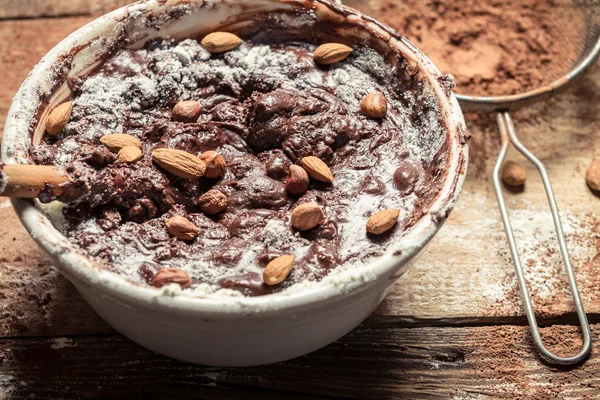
[(165, 276), (592, 175), (213, 202), (513, 174), (374, 105), (297, 180), (215, 164)]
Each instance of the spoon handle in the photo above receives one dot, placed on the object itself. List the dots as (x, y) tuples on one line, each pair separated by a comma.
[(28, 181)]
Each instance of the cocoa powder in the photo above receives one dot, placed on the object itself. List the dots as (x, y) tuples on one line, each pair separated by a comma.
[(505, 359), (495, 47)]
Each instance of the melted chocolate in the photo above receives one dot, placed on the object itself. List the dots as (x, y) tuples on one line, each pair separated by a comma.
[(264, 108)]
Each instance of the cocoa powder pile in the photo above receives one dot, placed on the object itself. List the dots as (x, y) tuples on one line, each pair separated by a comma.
[(491, 48)]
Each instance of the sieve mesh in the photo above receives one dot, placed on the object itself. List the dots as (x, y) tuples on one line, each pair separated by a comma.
[(573, 26)]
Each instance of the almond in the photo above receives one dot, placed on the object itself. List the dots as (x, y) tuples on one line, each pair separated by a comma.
[(218, 42), (180, 163), (297, 180), (513, 174), (383, 220), (181, 228), (58, 118), (317, 169), (306, 216), (374, 105), (330, 53), (213, 202), (186, 111), (592, 175), (129, 154), (165, 276), (278, 269), (215, 164), (116, 141)]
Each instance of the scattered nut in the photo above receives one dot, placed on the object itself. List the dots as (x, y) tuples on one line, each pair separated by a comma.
[(278, 269), (382, 221), (592, 175), (306, 216), (116, 141), (181, 228), (406, 177), (179, 163), (317, 169), (513, 174), (215, 164), (186, 111), (297, 180), (58, 118), (129, 154), (212, 202), (218, 42), (165, 276), (374, 105), (330, 53)]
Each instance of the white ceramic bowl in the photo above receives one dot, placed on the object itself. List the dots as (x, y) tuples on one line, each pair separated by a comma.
[(226, 331)]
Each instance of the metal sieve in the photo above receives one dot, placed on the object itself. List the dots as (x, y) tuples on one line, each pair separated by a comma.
[(578, 22)]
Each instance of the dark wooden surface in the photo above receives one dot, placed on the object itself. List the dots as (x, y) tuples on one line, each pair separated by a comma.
[(452, 327)]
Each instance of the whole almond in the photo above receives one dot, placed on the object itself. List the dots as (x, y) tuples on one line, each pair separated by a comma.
[(306, 216), (165, 276), (297, 180), (215, 164), (317, 169), (58, 118), (129, 154), (374, 105), (330, 53), (181, 228), (218, 42), (592, 175), (513, 174), (180, 163), (186, 111), (383, 220), (212, 202), (116, 141), (278, 269)]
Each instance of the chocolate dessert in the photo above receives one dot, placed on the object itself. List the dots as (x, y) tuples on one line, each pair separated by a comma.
[(247, 164)]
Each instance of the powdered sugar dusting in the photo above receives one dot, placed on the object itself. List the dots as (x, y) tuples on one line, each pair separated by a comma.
[(61, 343), (135, 91), (3, 180), (539, 254), (7, 386)]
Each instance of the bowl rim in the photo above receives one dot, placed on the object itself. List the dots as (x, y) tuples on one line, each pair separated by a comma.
[(76, 266)]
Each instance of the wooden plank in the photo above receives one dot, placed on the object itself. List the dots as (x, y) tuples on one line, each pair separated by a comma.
[(467, 270), (421, 363), (52, 8), (35, 299)]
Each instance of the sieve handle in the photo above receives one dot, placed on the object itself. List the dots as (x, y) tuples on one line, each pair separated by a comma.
[(509, 135)]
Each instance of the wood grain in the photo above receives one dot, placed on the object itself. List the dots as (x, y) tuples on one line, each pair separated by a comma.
[(465, 277), (53, 8), (418, 363), (35, 299), (22, 45)]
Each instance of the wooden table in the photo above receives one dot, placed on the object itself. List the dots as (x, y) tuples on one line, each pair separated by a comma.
[(452, 327)]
